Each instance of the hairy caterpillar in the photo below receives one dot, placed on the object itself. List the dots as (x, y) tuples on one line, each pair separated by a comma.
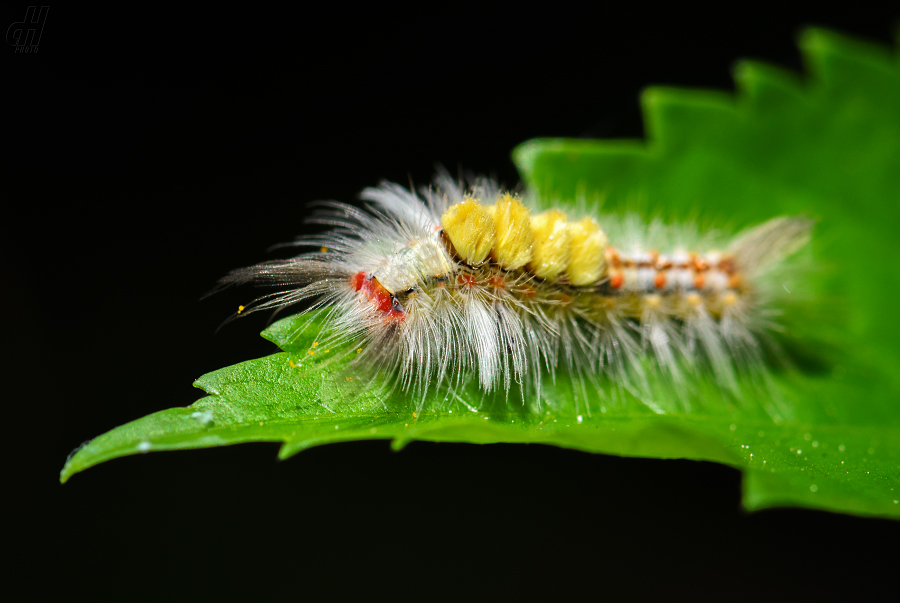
[(450, 285)]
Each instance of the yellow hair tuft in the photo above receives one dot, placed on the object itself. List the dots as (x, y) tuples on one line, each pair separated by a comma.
[(512, 224), (587, 252), (550, 252), (470, 228)]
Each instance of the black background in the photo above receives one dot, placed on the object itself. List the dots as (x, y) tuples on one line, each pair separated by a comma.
[(148, 151)]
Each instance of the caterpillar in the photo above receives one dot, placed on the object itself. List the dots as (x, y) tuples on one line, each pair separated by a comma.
[(455, 284)]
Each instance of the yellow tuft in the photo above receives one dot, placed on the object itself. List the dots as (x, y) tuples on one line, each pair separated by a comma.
[(469, 227), (550, 252), (512, 224), (587, 252), (240, 309)]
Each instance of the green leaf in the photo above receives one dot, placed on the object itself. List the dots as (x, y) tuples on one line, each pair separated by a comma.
[(828, 147)]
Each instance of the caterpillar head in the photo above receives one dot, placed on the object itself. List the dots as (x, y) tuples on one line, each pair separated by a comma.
[(399, 273)]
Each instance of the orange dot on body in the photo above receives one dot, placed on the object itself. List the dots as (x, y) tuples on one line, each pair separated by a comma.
[(727, 265), (465, 279), (659, 280), (699, 281), (616, 279)]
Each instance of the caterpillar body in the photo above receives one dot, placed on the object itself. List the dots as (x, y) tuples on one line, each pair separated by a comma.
[(451, 285)]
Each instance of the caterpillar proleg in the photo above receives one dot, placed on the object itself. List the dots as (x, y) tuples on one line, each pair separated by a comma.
[(451, 285)]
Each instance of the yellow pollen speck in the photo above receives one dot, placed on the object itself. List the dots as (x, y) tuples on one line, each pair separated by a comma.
[(550, 252), (326, 351), (693, 299), (315, 343), (470, 228), (512, 227), (323, 249), (240, 309), (358, 350), (415, 415), (349, 378), (587, 252), (729, 299), (311, 353), (291, 362)]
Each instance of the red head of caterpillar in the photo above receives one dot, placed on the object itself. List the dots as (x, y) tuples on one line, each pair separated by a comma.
[(451, 285)]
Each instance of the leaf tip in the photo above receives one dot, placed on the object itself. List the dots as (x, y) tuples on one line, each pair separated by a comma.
[(69, 469), (290, 448), (811, 38), (821, 45), (400, 442)]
